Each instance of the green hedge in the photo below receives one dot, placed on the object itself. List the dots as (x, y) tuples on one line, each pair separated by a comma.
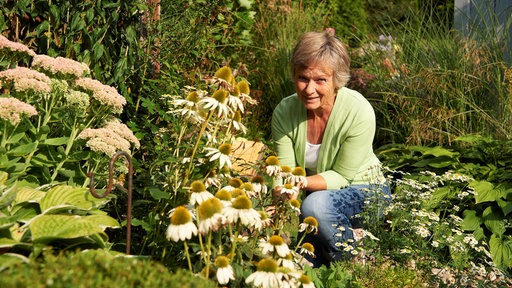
[(96, 268)]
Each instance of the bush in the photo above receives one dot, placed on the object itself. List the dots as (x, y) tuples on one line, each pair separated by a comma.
[(97, 268)]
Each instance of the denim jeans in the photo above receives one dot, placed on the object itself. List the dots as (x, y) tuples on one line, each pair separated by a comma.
[(335, 210)]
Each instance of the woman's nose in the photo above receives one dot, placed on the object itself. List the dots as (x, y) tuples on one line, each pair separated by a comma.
[(310, 87)]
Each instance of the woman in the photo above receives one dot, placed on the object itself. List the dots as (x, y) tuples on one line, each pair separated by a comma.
[(328, 129)]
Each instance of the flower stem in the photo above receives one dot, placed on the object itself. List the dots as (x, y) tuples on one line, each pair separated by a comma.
[(203, 128)]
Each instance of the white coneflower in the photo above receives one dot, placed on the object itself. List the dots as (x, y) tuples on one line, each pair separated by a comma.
[(273, 169), (233, 183), (222, 153), (295, 205), (225, 197), (217, 102), (287, 261), (275, 244), (235, 103), (224, 270), (298, 175), (209, 214), (267, 275), (198, 193), (242, 90), (290, 189), (308, 249), (182, 227), (188, 107), (305, 282), (237, 122), (249, 189), (241, 210), (309, 224), (258, 184), (265, 221), (286, 172)]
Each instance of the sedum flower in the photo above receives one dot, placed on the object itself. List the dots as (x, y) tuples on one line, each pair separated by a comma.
[(224, 270), (198, 193), (60, 66), (182, 227), (275, 244), (14, 47), (209, 214), (106, 95), (267, 275), (309, 224), (25, 79), (11, 110), (222, 153), (122, 130), (241, 210), (109, 139)]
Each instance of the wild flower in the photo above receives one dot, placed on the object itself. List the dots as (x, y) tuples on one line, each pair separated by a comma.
[(209, 214), (60, 66), (122, 130), (273, 169), (225, 197), (106, 95), (290, 189), (222, 154), (26, 79), (108, 140), (267, 275), (182, 227), (298, 175), (305, 282), (198, 193), (309, 225), (188, 107), (258, 184), (307, 249), (217, 102), (275, 244), (224, 270), (237, 122), (12, 109), (241, 211)]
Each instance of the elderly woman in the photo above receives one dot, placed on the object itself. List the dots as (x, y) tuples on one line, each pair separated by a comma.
[(328, 129)]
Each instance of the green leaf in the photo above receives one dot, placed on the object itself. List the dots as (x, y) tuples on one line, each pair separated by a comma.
[(15, 138), (506, 206), (7, 197), (45, 228), (104, 221), (56, 141), (25, 211), (437, 196), (75, 197), (22, 150), (6, 222), (493, 220), (501, 251), (471, 221), (437, 162), (484, 191), (28, 194), (158, 194), (11, 259)]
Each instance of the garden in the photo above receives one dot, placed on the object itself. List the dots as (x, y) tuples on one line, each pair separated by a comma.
[(135, 146)]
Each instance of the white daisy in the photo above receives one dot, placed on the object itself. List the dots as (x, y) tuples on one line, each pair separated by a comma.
[(224, 270), (309, 224), (266, 275), (198, 193), (209, 214), (181, 228), (272, 169), (274, 244), (241, 210), (222, 153), (217, 102)]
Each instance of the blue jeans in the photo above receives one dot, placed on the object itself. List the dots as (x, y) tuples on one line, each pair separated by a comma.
[(335, 210)]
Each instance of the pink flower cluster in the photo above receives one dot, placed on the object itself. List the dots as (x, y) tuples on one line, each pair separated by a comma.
[(11, 110), (113, 137), (15, 47), (25, 79), (60, 65), (106, 95)]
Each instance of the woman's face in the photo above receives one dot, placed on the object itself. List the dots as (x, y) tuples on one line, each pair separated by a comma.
[(315, 87)]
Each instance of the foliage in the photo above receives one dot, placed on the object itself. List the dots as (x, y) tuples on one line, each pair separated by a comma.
[(482, 203), (64, 217), (73, 119), (430, 85), (97, 268), (102, 34), (349, 19)]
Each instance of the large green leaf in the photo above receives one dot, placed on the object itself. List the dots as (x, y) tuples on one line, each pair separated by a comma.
[(7, 197), (10, 259), (45, 228), (22, 150), (485, 191), (103, 221), (471, 221), (28, 194), (501, 251), (69, 196), (506, 206), (493, 220)]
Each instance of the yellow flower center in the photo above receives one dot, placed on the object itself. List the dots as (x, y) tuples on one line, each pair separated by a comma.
[(304, 279), (267, 265), (235, 182), (272, 161), (208, 208), (197, 186), (193, 96), (295, 203), (243, 87), (258, 179), (237, 117), (276, 240), (220, 95), (286, 169), (242, 202), (180, 216), (225, 73), (309, 247), (221, 261), (311, 221), (225, 149), (247, 187), (237, 192), (223, 194), (299, 171)]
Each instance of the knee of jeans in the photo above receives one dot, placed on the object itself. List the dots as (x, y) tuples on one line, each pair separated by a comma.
[(312, 206)]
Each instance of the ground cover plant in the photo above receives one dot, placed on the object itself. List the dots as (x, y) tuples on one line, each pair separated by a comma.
[(206, 213)]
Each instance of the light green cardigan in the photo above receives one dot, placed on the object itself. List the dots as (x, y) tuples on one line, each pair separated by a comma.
[(346, 156)]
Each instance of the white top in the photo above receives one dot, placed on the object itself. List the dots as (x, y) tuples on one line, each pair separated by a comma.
[(312, 151)]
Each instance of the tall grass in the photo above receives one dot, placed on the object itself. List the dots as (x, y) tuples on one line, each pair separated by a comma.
[(438, 84)]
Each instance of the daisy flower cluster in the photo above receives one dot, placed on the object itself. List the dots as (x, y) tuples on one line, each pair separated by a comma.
[(429, 210), (64, 105)]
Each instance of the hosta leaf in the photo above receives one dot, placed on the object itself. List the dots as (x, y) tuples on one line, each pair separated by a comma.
[(3, 177), (104, 221), (485, 191), (471, 221), (68, 195), (7, 197), (28, 194), (501, 251), (506, 206), (25, 211), (48, 227), (493, 220), (6, 222)]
